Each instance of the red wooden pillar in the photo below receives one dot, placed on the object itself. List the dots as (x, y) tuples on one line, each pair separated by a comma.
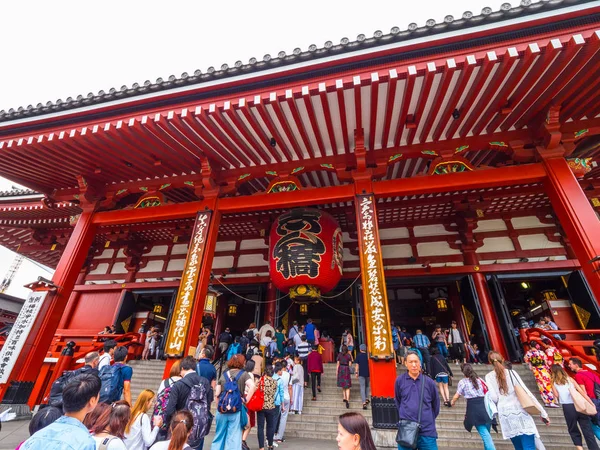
[(576, 216), (487, 307), (489, 315), (205, 268), (271, 306), (31, 358)]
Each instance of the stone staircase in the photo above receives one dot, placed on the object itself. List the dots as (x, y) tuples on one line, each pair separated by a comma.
[(146, 375), (319, 419)]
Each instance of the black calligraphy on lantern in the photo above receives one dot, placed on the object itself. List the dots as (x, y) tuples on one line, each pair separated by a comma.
[(299, 250)]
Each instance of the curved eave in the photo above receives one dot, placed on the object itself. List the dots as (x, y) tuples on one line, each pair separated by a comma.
[(440, 38)]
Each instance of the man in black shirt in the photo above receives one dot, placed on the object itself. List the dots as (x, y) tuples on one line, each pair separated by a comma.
[(180, 391), (225, 339)]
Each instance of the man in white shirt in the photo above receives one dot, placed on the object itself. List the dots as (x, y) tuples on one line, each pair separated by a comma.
[(109, 349)]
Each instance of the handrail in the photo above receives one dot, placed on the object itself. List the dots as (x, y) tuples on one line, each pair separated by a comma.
[(562, 345)]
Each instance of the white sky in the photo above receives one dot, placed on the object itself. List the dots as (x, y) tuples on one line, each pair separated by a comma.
[(56, 49)]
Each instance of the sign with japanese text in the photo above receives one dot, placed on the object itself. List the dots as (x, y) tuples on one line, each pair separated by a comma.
[(180, 320), (376, 310), (19, 333)]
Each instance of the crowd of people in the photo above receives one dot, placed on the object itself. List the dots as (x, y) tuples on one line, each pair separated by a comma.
[(265, 373)]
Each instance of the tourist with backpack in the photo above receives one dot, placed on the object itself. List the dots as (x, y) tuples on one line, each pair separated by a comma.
[(254, 404), (234, 388), (285, 380), (109, 350), (205, 369), (109, 428), (91, 364), (234, 348), (139, 434), (192, 393), (252, 332), (162, 397), (244, 341), (116, 379), (181, 429), (225, 340), (80, 396)]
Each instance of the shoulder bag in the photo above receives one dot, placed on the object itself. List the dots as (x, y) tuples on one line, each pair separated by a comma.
[(409, 430), (581, 404), (527, 403)]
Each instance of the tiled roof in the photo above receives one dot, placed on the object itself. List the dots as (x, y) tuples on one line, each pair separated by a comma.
[(431, 28), (16, 192)]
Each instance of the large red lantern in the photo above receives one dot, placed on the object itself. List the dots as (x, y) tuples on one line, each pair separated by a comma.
[(306, 253)]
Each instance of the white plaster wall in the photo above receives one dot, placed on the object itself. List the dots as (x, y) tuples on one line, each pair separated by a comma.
[(496, 244), (393, 233), (431, 230), (490, 225), (179, 249), (436, 249), (348, 256), (528, 222), (108, 253), (222, 262), (251, 244), (102, 269), (250, 261), (158, 250), (225, 246), (176, 265), (152, 266), (537, 241), (396, 251), (118, 268)]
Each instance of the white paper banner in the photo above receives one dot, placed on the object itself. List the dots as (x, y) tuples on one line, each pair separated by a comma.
[(19, 333)]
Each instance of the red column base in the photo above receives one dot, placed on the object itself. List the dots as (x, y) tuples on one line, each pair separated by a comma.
[(383, 377)]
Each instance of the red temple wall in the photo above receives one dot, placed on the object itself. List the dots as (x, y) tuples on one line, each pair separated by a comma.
[(94, 310)]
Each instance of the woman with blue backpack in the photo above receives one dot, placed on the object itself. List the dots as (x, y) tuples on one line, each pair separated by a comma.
[(234, 388)]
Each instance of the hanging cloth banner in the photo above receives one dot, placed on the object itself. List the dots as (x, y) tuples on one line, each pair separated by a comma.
[(376, 310), (19, 333), (180, 319)]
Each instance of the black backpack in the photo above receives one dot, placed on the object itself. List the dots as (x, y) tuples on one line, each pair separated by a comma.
[(56, 391), (111, 378), (55, 398), (250, 335)]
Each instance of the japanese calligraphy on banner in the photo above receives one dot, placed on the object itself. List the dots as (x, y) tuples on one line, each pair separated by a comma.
[(19, 333), (376, 310), (180, 319)]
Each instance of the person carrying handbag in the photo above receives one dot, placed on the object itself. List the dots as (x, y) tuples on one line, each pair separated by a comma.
[(515, 404), (577, 408), (418, 404)]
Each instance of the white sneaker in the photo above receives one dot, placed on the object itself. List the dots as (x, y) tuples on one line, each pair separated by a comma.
[(275, 444), (299, 412)]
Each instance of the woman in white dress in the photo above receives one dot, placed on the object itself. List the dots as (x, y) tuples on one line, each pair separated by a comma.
[(139, 434), (517, 425), (297, 386)]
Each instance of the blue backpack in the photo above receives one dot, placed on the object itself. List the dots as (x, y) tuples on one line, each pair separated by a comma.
[(234, 349), (111, 378), (230, 400)]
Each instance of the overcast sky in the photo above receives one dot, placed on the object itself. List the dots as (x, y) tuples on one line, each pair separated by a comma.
[(59, 49)]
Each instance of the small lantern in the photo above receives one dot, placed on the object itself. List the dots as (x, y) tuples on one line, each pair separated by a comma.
[(525, 285), (303, 309), (232, 310), (158, 308), (210, 304), (442, 304)]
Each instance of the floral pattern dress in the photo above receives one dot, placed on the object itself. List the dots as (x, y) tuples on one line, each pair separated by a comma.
[(343, 376), (555, 357), (538, 363)]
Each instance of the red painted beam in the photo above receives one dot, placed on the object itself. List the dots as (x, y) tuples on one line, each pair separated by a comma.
[(504, 176)]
